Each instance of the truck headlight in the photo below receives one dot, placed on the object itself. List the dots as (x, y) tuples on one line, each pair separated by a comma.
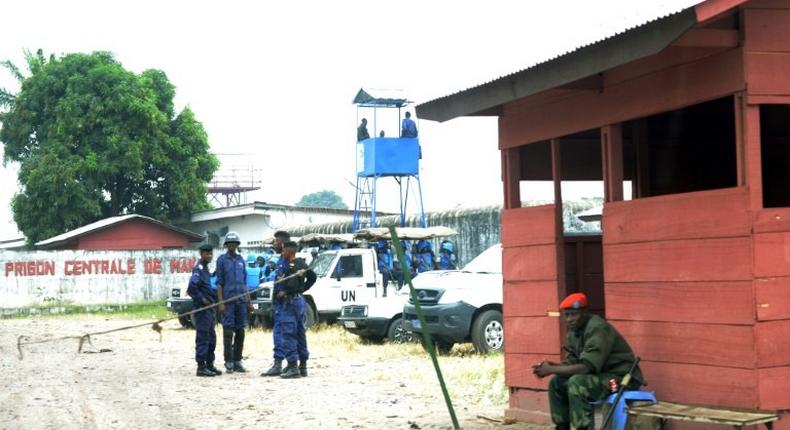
[(451, 296)]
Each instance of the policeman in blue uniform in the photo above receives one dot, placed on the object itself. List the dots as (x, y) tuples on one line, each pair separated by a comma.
[(447, 256), (232, 282), (203, 295), (290, 311), (281, 265), (385, 264), (423, 255)]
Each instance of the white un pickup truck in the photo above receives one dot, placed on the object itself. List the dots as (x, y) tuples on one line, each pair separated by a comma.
[(462, 305)]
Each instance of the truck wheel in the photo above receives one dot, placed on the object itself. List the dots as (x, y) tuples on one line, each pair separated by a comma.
[(396, 333), (186, 321), (310, 311), (487, 332), (442, 345)]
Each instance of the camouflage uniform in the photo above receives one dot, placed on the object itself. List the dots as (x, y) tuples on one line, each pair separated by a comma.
[(604, 350)]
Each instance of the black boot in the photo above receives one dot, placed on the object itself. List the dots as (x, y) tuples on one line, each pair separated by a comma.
[(303, 368), (210, 366), (276, 369), (290, 371), (237, 367), (202, 370), (563, 426), (227, 344)]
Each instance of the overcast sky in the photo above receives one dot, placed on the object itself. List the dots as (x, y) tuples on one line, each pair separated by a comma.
[(275, 80)]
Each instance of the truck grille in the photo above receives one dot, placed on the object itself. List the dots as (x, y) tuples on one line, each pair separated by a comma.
[(266, 293), (426, 296), (428, 318), (175, 292), (353, 311)]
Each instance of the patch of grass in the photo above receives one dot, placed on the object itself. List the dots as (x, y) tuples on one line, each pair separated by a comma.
[(141, 310), (472, 377)]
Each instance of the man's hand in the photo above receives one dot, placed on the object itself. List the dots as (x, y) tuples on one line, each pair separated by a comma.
[(250, 308), (301, 272), (543, 369), (222, 308), (280, 295)]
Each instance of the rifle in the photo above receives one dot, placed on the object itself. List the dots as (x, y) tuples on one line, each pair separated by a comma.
[(623, 383)]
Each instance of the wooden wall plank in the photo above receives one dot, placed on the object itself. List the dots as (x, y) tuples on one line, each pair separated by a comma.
[(518, 370), (683, 260), (661, 91), (772, 297), (771, 254), (716, 213), (770, 220), (530, 298), (532, 335), (530, 263), (766, 30), (774, 393), (765, 73), (697, 302), (724, 345), (773, 343), (708, 385), (528, 226)]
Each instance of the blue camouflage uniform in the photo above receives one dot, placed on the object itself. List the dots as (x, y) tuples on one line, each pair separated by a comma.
[(290, 340), (423, 254), (205, 338), (232, 275)]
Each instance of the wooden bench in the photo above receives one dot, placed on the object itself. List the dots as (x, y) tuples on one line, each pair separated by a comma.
[(705, 414)]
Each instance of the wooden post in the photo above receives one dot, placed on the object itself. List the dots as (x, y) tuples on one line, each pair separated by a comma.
[(641, 184), (511, 177), (612, 148), (753, 159), (556, 175)]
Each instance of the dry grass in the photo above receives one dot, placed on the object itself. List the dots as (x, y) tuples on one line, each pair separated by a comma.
[(474, 378)]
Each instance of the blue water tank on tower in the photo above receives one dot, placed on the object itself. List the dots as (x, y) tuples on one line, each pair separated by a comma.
[(388, 156)]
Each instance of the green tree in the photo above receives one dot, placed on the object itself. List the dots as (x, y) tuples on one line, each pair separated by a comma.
[(323, 199), (95, 140)]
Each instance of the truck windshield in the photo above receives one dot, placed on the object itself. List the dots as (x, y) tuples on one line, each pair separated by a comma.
[(322, 262)]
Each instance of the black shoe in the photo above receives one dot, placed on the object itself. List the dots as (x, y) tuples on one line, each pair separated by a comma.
[(204, 371), (229, 367), (303, 368), (214, 369), (237, 367), (290, 372), (275, 370)]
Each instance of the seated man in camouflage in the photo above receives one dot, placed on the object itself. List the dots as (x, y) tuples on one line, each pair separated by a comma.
[(596, 353)]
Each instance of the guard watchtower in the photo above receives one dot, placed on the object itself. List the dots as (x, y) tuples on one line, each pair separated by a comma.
[(385, 157)]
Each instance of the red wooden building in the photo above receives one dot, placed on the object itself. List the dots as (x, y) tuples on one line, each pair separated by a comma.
[(693, 267), (123, 232)]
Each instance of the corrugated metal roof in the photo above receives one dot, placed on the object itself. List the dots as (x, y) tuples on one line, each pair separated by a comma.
[(587, 60), (106, 223)]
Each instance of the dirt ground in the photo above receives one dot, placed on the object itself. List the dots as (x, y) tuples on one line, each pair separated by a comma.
[(145, 383)]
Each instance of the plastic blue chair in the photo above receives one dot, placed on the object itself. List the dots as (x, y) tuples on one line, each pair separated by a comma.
[(620, 417)]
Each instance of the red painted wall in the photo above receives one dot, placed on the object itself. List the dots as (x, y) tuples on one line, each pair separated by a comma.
[(134, 234)]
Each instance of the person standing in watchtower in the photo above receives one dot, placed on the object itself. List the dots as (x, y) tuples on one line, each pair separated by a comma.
[(232, 284), (362, 130)]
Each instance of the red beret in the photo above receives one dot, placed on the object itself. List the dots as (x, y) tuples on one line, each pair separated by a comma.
[(574, 301)]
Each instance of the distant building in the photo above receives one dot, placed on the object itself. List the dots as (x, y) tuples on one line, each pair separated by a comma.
[(258, 221), (125, 232)]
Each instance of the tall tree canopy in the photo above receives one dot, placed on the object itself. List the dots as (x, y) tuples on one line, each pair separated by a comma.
[(323, 199), (95, 140)]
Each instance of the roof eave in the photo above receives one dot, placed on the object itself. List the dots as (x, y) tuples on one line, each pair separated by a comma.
[(648, 39)]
